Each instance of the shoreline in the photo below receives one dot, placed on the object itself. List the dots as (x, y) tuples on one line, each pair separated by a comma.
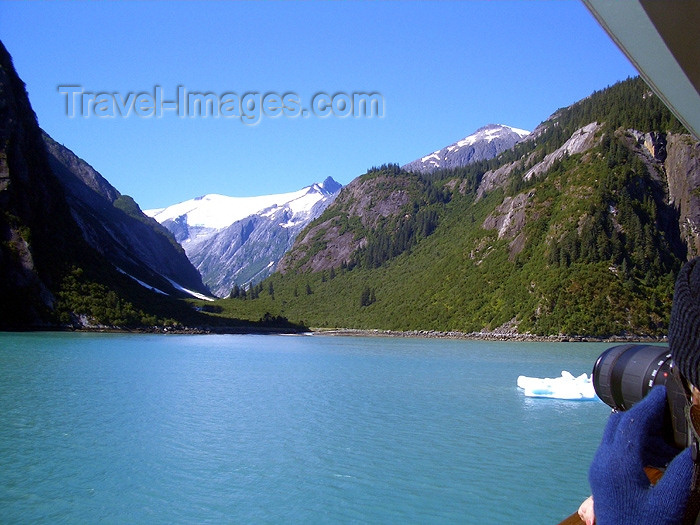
[(487, 336), (353, 332), (163, 330)]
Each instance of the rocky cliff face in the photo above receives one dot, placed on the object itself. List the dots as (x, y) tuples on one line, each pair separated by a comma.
[(361, 207), (63, 229), (682, 166), (115, 226), (671, 160), (35, 223)]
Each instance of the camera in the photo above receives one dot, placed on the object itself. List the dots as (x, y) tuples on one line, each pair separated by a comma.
[(624, 374)]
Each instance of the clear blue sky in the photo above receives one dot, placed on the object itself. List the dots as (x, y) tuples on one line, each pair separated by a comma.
[(444, 69)]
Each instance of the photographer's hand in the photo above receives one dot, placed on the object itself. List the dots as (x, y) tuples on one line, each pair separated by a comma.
[(621, 490)]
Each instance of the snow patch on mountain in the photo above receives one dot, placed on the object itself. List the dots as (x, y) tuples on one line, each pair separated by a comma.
[(139, 281), (190, 292), (485, 143), (240, 240), (216, 211), (489, 134)]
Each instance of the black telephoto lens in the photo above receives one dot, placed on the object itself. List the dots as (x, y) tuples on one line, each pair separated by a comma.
[(624, 374)]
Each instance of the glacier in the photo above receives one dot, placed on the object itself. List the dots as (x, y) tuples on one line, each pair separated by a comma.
[(564, 387), (216, 211), (239, 240)]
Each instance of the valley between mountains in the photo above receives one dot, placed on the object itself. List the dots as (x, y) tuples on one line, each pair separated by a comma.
[(575, 228)]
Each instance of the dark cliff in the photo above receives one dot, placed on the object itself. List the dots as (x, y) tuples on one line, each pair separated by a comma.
[(38, 238), (114, 225), (50, 276), (682, 165)]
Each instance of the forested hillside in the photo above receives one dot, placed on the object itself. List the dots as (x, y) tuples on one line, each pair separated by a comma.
[(580, 229)]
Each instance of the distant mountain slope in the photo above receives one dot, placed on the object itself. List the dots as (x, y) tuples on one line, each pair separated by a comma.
[(50, 276), (239, 240), (114, 225), (484, 144), (578, 230), (374, 218)]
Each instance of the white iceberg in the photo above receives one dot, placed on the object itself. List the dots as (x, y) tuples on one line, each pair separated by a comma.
[(565, 387)]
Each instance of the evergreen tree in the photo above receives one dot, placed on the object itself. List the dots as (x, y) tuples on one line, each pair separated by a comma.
[(365, 297)]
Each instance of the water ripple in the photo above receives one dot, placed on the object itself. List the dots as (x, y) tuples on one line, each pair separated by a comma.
[(237, 429)]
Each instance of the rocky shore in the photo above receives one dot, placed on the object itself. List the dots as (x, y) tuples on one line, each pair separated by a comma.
[(495, 335), (490, 336), (179, 330)]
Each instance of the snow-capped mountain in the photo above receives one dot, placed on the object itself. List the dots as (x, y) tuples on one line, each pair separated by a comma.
[(485, 143), (239, 240)]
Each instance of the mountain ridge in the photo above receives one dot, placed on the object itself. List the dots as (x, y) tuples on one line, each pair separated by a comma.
[(485, 143), (238, 241), (52, 276), (578, 229), (114, 225)]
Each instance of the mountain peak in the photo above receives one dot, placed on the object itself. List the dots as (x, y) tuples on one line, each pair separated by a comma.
[(492, 131), (239, 240), (215, 211), (330, 185), (485, 143)]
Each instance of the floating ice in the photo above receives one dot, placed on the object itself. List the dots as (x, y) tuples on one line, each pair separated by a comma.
[(565, 387)]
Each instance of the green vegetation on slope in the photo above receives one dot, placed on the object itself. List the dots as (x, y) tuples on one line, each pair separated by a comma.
[(129, 206), (596, 253)]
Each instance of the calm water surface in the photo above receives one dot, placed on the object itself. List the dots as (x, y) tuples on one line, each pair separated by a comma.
[(288, 429)]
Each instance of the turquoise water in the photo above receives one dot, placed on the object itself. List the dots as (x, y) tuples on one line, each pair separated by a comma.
[(288, 429)]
